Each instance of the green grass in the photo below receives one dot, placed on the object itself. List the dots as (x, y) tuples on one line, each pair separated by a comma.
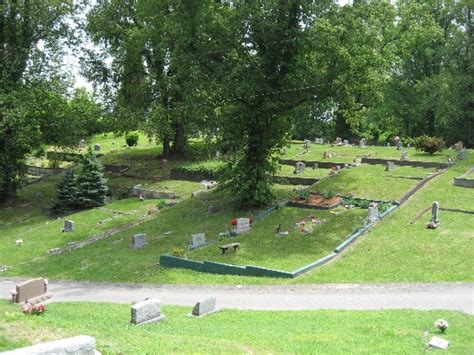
[(238, 332), (309, 172), (394, 250), (372, 182), (347, 154)]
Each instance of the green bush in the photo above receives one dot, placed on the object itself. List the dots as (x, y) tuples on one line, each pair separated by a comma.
[(429, 144), (132, 139)]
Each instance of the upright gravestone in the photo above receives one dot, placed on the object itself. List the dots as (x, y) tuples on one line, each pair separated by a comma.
[(404, 155), (299, 167), (148, 311), (434, 222), (307, 143), (97, 147), (373, 212), (198, 240), (68, 225), (205, 306), (345, 142), (390, 166), (362, 143), (463, 153), (82, 143), (139, 241), (315, 166), (338, 141), (33, 291), (243, 225)]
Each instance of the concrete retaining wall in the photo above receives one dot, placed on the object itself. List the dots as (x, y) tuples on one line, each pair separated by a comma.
[(418, 164)]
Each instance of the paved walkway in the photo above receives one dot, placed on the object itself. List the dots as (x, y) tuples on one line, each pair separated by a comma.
[(449, 296)]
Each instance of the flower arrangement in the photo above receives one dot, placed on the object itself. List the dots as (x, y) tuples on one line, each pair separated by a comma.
[(37, 309), (178, 252), (442, 325)]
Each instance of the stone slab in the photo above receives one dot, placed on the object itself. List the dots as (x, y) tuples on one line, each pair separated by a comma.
[(439, 343), (148, 311), (198, 240), (32, 290), (78, 345), (139, 241), (204, 306)]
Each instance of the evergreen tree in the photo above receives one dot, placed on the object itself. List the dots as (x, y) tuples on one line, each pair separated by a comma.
[(91, 184), (67, 192)]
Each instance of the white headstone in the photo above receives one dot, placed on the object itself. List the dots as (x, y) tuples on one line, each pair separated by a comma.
[(373, 212), (404, 155), (148, 311), (390, 166), (80, 345), (82, 143), (345, 142), (198, 240), (439, 343), (243, 225)]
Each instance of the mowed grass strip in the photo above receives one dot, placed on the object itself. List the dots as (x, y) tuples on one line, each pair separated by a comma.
[(372, 182), (238, 332), (347, 154), (397, 250)]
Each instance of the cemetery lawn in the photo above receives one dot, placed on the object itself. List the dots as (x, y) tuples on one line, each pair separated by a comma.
[(237, 331), (347, 154)]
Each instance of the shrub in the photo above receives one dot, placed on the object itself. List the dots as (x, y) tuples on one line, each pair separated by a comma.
[(91, 184), (429, 144), (132, 139), (67, 192)]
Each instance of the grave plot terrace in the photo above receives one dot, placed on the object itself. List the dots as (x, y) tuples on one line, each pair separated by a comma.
[(346, 154)]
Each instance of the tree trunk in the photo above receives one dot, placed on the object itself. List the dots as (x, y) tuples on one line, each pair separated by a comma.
[(166, 146), (179, 140)]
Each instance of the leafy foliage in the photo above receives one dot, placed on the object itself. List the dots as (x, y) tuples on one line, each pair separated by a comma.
[(132, 139), (429, 144)]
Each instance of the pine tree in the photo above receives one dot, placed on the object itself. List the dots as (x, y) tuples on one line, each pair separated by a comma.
[(67, 192), (91, 184)]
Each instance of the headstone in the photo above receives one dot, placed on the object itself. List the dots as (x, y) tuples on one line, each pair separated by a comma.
[(315, 166), (205, 306), (307, 143), (388, 144), (463, 154), (78, 345), (345, 142), (68, 225), (299, 167), (327, 155), (35, 291), (82, 143), (163, 163), (198, 240), (209, 184), (373, 212), (243, 225), (148, 311), (434, 222), (97, 147), (362, 143), (439, 343), (390, 166), (338, 141), (139, 241), (213, 209), (398, 142), (404, 155)]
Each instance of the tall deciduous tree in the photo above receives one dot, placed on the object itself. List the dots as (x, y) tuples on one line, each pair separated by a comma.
[(265, 65), (31, 36)]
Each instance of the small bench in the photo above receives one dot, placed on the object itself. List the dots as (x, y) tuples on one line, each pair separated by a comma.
[(226, 247)]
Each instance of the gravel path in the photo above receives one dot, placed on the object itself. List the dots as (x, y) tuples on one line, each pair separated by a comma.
[(420, 296)]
